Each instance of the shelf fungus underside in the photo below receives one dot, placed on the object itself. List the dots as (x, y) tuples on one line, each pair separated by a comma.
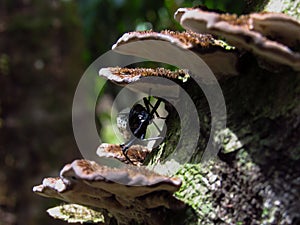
[(123, 76), (128, 194), (159, 46), (272, 36)]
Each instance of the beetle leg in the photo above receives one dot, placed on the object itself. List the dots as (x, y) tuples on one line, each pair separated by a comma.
[(125, 148), (153, 111), (152, 139), (157, 127), (147, 103)]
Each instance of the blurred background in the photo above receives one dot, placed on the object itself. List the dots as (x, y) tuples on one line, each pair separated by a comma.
[(45, 46)]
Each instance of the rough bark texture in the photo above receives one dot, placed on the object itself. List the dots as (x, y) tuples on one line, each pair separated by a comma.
[(256, 178)]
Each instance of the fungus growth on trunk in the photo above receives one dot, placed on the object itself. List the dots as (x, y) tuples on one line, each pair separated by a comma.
[(135, 195), (130, 194)]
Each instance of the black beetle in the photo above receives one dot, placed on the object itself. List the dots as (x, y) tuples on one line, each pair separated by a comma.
[(138, 121)]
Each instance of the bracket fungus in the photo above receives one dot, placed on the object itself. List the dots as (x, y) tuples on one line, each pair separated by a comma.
[(128, 194), (136, 153), (123, 76), (272, 36), (221, 58), (166, 87)]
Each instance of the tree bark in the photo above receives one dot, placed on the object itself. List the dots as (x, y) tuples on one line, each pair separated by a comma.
[(256, 176)]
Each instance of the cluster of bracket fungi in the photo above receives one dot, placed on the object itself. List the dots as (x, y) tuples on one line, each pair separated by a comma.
[(128, 194), (133, 193)]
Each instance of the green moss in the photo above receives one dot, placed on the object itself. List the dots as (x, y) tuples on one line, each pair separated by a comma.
[(198, 181), (73, 213), (230, 141), (224, 45), (289, 7)]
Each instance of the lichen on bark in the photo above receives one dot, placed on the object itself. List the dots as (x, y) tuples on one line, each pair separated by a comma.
[(255, 179), (289, 7), (259, 155)]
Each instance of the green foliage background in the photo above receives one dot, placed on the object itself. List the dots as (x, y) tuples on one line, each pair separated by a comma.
[(114, 17)]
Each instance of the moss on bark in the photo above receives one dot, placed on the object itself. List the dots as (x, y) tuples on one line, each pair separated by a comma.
[(256, 178)]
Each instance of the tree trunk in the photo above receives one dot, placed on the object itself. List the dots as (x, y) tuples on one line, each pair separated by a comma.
[(256, 177)]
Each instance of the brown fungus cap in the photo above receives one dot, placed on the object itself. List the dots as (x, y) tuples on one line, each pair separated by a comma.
[(279, 27), (129, 193), (220, 58), (182, 39), (134, 76), (136, 153), (128, 75), (268, 35)]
